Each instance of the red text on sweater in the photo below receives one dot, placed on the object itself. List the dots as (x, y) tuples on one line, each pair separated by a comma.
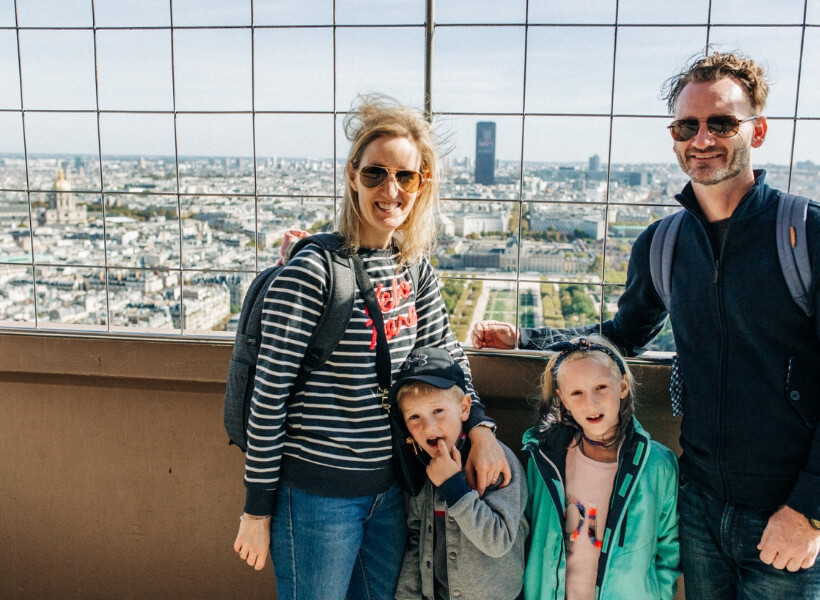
[(389, 300)]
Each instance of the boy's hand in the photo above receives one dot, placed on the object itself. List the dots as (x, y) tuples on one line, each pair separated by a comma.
[(445, 465)]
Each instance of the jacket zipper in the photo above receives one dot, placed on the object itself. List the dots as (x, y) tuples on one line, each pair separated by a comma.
[(724, 359), (721, 452), (717, 257), (620, 525)]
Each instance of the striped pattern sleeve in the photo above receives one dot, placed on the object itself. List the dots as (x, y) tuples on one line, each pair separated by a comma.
[(293, 304)]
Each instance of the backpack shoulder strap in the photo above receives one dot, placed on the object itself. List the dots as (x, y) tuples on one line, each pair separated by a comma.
[(339, 307), (662, 253), (793, 248), (250, 318)]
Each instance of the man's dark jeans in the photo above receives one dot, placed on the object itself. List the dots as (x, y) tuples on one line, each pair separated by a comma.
[(718, 544)]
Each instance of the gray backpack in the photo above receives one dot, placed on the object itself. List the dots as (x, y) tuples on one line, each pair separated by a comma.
[(792, 250)]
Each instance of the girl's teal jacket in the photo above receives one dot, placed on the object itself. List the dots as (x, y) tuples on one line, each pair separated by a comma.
[(640, 557)]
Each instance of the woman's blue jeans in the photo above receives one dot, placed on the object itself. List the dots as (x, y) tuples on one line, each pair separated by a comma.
[(332, 548), (718, 546)]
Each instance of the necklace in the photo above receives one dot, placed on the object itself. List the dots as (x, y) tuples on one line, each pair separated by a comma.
[(591, 442)]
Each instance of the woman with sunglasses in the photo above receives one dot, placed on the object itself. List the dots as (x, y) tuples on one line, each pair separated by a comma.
[(320, 488)]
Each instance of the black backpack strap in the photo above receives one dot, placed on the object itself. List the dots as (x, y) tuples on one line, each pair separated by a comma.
[(250, 318), (793, 248), (662, 253), (346, 271), (240, 382), (339, 307), (384, 369)]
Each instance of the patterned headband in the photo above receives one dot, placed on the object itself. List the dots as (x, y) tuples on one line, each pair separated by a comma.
[(582, 345)]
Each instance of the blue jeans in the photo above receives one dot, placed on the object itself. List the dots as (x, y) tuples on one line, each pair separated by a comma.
[(332, 548), (718, 546)]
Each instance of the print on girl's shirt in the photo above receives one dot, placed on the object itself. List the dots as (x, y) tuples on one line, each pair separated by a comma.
[(389, 300), (586, 518)]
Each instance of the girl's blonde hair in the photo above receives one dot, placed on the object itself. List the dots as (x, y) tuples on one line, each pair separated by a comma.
[(551, 410), (375, 116)]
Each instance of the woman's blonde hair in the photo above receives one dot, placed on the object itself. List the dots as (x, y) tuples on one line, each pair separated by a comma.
[(551, 410), (375, 116)]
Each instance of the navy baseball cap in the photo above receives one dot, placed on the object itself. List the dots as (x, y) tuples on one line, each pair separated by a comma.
[(434, 366)]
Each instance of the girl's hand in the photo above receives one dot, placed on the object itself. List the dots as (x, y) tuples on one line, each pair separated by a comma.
[(486, 461), (253, 541), (445, 465)]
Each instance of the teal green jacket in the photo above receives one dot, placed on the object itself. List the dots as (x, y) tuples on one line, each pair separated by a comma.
[(640, 556)]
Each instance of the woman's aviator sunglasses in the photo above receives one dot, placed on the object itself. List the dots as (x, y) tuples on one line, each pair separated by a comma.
[(373, 176), (723, 126)]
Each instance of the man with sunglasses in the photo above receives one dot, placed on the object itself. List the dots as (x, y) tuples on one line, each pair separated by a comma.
[(749, 357)]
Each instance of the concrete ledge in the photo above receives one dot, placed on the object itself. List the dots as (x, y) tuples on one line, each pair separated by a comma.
[(116, 480), (173, 360)]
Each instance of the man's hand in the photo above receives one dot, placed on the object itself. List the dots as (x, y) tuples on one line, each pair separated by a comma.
[(253, 542), (445, 465), (486, 461), (789, 541), (493, 334)]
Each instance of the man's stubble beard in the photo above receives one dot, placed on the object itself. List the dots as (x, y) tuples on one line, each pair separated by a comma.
[(713, 176)]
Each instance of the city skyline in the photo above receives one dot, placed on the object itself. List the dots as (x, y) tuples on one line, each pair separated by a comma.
[(155, 110)]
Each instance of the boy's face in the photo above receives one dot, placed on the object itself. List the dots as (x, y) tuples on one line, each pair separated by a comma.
[(434, 415)]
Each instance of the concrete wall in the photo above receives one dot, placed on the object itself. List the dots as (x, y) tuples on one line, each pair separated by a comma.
[(116, 480)]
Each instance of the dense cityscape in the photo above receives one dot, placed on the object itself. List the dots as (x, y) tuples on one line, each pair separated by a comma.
[(161, 262)]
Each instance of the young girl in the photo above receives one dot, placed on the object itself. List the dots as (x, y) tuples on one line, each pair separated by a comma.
[(603, 496)]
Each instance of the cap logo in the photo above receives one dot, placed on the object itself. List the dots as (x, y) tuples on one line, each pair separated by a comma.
[(419, 360)]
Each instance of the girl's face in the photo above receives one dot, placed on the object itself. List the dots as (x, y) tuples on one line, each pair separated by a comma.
[(385, 207), (589, 390)]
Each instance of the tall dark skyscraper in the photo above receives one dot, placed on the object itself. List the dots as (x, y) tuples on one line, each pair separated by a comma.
[(485, 152), (594, 162)]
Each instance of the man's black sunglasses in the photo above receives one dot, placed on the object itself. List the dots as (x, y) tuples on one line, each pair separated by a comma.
[(722, 126)]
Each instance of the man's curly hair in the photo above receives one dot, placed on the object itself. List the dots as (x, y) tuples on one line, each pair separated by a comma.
[(714, 67)]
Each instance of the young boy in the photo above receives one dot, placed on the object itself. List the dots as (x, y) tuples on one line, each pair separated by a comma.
[(458, 545)]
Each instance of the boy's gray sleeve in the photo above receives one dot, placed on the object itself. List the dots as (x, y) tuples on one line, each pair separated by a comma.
[(409, 585), (492, 523)]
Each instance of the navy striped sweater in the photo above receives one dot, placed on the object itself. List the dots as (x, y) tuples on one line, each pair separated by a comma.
[(333, 437)]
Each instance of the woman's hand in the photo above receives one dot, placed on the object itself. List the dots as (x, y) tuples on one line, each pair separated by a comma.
[(493, 334), (486, 461), (253, 540)]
